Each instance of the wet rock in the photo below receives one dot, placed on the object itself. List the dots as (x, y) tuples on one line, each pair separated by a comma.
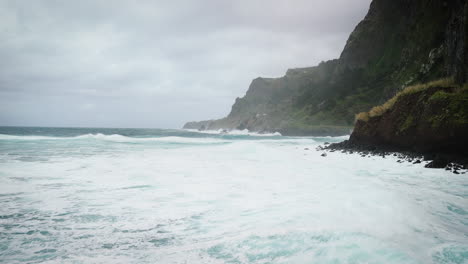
[(437, 163), (324, 154), (428, 157)]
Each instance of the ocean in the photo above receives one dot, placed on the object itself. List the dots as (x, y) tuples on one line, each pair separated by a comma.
[(94, 195)]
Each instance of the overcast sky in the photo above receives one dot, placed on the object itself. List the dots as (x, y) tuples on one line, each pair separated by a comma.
[(155, 63)]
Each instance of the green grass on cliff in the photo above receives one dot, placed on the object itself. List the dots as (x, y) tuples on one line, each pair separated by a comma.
[(381, 109), (456, 110)]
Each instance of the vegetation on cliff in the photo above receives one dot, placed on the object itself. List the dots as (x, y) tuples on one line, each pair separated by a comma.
[(430, 117), (399, 43), (379, 110)]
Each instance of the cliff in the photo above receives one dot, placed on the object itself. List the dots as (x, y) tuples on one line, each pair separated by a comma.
[(422, 118), (398, 43), (425, 118)]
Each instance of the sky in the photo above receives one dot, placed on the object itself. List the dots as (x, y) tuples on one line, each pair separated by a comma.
[(155, 64)]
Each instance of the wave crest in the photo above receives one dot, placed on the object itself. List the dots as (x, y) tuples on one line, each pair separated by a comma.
[(244, 132), (117, 138)]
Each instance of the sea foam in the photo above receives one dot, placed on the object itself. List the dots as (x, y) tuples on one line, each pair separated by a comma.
[(248, 200)]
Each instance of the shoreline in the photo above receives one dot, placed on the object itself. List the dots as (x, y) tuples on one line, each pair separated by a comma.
[(456, 163)]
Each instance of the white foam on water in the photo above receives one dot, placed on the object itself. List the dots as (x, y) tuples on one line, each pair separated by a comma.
[(174, 139), (250, 201), (244, 132), (117, 138), (13, 137)]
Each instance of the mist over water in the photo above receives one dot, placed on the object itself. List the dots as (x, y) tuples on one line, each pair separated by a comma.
[(173, 196)]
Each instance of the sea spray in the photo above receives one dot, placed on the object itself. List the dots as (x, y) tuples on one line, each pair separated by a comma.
[(170, 196)]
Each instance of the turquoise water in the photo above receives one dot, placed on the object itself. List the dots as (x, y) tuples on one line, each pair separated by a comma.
[(91, 195)]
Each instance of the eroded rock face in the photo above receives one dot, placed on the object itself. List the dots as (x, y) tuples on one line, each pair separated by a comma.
[(433, 120), (399, 43), (457, 43)]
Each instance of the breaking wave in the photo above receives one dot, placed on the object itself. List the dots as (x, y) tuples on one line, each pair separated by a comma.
[(116, 138)]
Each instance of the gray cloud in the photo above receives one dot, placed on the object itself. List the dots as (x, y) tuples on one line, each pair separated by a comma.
[(154, 63)]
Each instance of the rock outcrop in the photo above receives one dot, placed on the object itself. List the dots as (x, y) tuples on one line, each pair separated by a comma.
[(399, 43), (428, 118), (433, 119), (429, 121)]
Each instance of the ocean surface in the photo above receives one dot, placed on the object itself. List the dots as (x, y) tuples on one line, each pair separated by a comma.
[(92, 195)]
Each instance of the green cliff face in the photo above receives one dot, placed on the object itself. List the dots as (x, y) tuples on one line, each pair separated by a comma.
[(424, 118), (399, 43)]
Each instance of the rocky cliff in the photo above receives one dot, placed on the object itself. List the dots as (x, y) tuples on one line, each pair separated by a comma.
[(398, 43), (429, 120), (422, 118)]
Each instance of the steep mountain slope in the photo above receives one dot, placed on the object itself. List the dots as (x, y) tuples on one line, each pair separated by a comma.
[(399, 43)]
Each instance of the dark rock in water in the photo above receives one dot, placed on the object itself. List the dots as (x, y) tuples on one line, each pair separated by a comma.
[(428, 156), (306, 149), (326, 143), (438, 160), (437, 163), (324, 154)]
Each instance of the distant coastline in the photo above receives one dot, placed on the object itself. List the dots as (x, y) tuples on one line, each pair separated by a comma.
[(405, 72)]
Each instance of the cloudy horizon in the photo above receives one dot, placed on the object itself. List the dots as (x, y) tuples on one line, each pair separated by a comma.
[(155, 63)]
